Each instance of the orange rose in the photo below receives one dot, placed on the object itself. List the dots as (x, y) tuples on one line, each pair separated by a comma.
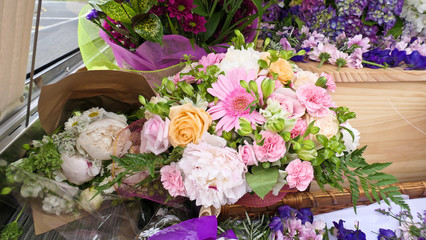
[(187, 124), (284, 70)]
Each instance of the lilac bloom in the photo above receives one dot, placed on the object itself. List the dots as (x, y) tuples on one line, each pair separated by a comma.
[(276, 224), (415, 61), (386, 234), (285, 211)]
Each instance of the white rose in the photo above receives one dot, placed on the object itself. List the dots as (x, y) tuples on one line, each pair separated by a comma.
[(329, 126), (246, 59), (78, 169), (104, 138), (350, 144), (304, 77)]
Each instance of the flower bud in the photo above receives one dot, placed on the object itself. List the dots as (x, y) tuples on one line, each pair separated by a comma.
[(321, 82), (170, 85), (308, 144), (266, 164), (296, 146), (307, 155), (245, 127), (267, 86), (86, 201), (253, 86), (187, 88), (244, 84), (227, 135), (278, 125)]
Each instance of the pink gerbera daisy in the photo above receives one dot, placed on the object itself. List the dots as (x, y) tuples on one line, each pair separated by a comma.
[(233, 100)]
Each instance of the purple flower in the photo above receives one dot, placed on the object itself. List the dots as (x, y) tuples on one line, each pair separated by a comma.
[(276, 224), (285, 211), (395, 58), (93, 14), (347, 234), (386, 234), (180, 9), (415, 61), (158, 10), (195, 24), (305, 215)]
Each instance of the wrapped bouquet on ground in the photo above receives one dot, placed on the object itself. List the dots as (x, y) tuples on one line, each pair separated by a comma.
[(245, 127)]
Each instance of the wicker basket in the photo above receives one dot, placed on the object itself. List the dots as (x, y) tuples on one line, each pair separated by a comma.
[(319, 201)]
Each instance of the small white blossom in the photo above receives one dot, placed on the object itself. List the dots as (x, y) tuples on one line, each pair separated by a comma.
[(56, 205)]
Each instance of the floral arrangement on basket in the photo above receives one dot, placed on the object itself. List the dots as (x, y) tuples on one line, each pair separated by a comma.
[(150, 35), (248, 125), (354, 34)]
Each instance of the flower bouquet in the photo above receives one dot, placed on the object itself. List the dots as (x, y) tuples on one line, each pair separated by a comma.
[(352, 34), (152, 35), (246, 124)]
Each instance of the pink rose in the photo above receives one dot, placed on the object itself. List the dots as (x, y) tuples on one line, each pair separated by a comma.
[(299, 128), (155, 135), (288, 102), (247, 154), (331, 85), (316, 100), (273, 148), (300, 174), (187, 78), (172, 180)]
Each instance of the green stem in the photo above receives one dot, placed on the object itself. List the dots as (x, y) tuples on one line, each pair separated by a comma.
[(322, 62), (132, 32), (172, 27), (110, 35), (374, 64), (19, 215)]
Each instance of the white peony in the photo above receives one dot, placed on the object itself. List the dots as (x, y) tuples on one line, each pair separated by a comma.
[(213, 176), (350, 144), (78, 170), (246, 59), (104, 138)]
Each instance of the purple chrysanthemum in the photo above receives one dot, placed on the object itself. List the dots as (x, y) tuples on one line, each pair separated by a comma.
[(195, 24), (180, 9)]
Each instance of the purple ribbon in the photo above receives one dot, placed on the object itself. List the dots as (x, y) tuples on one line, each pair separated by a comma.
[(203, 228)]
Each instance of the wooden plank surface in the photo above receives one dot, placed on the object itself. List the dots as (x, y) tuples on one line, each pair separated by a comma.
[(347, 75), (391, 116)]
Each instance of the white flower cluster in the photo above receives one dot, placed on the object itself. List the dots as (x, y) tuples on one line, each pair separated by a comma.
[(246, 59), (414, 12), (56, 205)]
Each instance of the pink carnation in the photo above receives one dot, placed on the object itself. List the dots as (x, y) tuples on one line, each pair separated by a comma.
[(273, 148), (288, 102), (247, 154), (316, 100), (300, 174), (155, 135), (299, 128), (331, 85), (172, 180)]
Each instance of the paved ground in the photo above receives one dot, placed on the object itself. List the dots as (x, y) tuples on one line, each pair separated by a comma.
[(57, 32)]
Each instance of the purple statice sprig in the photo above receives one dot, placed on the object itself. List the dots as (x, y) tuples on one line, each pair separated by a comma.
[(410, 229)]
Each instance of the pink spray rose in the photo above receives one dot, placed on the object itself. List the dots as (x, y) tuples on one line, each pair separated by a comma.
[(273, 148), (316, 100), (299, 128), (288, 102), (300, 174), (247, 154), (155, 135), (211, 59), (172, 180)]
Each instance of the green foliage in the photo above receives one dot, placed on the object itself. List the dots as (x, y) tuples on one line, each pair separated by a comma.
[(43, 160), (396, 30), (119, 12), (359, 173), (250, 229), (150, 29), (11, 231), (262, 180), (343, 114)]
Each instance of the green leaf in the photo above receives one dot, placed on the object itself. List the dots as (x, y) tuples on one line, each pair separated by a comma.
[(375, 167), (142, 6), (150, 29), (322, 139), (262, 63), (299, 22), (262, 180), (211, 25), (6, 191), (200, 9), (119, 12), (396, 30)]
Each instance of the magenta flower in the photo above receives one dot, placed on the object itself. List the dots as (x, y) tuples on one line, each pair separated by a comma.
[(233, 100), (300, 174), (273, 148), (194, 23), (180, 9), (316, 100)]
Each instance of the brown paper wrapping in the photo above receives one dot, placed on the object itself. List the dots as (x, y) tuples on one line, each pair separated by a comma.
[(114, 91)]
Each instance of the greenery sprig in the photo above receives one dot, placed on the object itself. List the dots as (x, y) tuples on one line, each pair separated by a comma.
[(13, 230), (247, 228)]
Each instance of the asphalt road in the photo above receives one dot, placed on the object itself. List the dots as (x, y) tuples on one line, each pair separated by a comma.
[(57, 32)]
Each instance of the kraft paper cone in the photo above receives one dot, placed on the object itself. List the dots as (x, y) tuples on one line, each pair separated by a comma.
[(114, 91)]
